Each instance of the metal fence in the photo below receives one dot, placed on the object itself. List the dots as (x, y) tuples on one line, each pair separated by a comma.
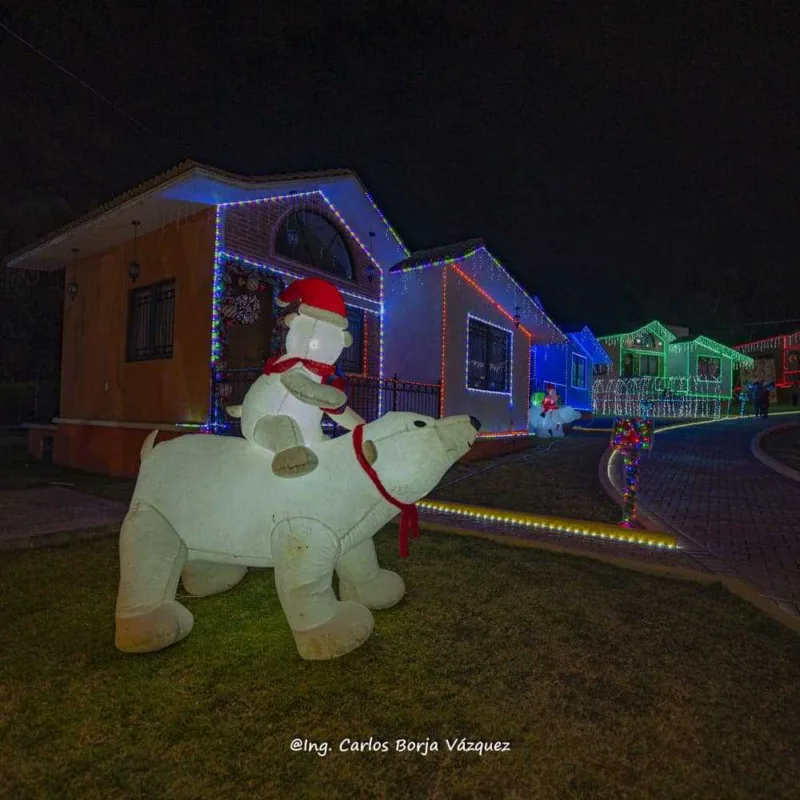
[(369, 397)]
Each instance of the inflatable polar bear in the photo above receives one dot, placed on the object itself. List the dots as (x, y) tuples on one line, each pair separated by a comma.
[(210, 507), (551, 424), (282, 411)]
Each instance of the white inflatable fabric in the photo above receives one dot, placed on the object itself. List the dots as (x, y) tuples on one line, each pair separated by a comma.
[(282, 412), (551, 424), (210, 507)]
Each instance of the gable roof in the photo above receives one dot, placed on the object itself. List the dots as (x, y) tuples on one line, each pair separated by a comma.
[(715, 347), (590, 345), (182, 191), (439, 256), (654, 327)]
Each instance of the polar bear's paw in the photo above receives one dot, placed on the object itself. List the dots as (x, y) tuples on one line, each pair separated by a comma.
[(295, 462), (202, 578), (155, 630), (384, 591), (348, 629)]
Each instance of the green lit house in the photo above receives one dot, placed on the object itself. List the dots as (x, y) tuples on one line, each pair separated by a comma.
[(684, 375)]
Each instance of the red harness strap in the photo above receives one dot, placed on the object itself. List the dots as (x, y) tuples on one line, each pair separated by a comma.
[(409, 516)]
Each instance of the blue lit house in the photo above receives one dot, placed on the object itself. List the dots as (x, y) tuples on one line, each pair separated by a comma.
[(570, 366)]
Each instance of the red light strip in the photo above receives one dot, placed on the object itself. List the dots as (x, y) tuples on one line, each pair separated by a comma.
[(483, 293)]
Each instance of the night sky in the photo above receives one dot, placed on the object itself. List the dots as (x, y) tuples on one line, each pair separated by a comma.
[(625, 164)]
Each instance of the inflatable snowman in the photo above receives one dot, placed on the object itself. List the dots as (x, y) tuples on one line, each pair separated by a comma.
[(282, 411)]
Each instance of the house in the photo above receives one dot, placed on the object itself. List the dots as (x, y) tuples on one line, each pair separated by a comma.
[(170, 311), (570, 366), (683, 375), (455, 317), (776, 358)]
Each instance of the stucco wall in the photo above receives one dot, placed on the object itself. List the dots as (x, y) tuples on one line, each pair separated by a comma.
[(413, 325), (497, 412), (97, 382)]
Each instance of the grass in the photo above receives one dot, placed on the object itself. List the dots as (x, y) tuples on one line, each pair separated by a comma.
[(556, 477), (784, 446), (607, 684)]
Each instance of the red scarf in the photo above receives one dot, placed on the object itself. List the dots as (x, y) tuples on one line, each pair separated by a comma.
[(409, 516), (317, 367)]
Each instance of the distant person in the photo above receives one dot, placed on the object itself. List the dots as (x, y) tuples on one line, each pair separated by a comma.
[(765, 400), (795, 393), (755, 394)]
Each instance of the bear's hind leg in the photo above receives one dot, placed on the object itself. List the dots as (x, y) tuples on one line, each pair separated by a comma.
[(204, 578), (151, 557)]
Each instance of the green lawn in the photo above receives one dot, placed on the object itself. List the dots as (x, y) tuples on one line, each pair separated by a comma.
[(607, 683), (556, 477)]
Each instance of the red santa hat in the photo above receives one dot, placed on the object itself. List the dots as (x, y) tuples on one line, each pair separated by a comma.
[(318, 299)]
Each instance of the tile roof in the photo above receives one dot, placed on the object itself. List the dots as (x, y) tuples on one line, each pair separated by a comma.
[(439, 255)]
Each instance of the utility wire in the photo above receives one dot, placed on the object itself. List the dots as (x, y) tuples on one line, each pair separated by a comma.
[(83, 83)]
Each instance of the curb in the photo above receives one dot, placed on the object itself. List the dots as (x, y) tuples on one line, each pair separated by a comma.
[(767, 460)]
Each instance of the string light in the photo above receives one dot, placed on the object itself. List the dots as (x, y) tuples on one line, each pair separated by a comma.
[(596, 530), (510, 341), (677, 397), (630, 436), (444, 341)]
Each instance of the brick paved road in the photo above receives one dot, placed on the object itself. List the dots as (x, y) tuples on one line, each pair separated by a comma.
[(705, 482)]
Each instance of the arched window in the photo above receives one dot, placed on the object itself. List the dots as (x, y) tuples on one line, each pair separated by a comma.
[(310, 239)]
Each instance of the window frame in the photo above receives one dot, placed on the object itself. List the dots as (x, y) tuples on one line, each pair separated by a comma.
[(351, 277), (581, 385), (509, 357), (135, 354), (362, 315), (718, 359)]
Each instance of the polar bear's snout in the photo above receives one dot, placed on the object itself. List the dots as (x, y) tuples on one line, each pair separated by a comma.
[(457, 433)]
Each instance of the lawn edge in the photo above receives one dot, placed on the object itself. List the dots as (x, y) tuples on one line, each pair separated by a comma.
[(736, 586)]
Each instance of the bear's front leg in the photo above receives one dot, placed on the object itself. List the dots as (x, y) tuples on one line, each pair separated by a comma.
[(282, 436), (304, 553), (361, 578)]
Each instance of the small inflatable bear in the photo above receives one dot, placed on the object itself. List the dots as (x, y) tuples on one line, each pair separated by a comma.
[(282, 411)]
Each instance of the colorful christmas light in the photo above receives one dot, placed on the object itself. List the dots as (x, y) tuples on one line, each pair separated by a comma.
[(596, 530), (630, 436)]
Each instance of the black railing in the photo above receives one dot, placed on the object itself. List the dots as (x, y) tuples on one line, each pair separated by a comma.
[(367, 396)]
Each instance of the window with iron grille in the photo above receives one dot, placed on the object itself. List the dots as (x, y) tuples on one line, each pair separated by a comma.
[(151, 316), (488, 357), (352, 358)]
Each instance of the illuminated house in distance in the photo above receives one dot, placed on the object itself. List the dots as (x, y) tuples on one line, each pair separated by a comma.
[(659, 351), (570, 366), (776, 358), (455, 315)]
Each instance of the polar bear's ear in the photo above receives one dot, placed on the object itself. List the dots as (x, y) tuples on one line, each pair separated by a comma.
[(289, 319), (348, 338), (234, 411)]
